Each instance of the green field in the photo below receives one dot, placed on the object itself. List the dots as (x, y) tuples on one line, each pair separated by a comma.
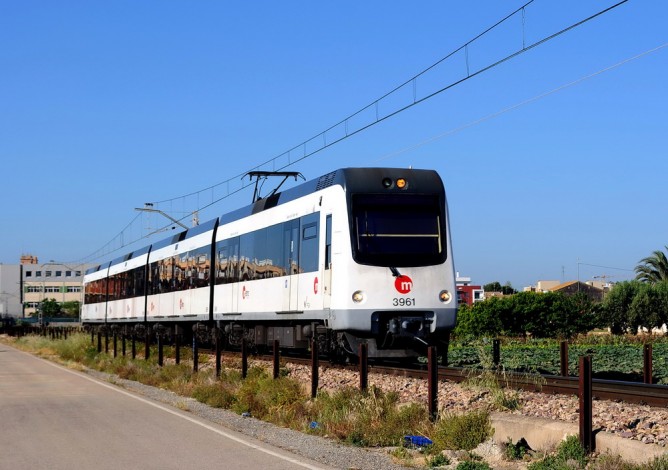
[(612, 358)]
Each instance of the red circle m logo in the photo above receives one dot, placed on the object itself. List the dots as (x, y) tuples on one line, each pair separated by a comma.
[(403, 284)]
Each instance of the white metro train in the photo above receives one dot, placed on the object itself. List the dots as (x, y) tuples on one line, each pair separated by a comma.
[(359, 255)]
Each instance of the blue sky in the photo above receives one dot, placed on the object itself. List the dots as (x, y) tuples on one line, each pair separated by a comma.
[(554, 162)]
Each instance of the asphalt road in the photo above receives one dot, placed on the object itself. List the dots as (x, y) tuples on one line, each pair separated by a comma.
[(55, 418)]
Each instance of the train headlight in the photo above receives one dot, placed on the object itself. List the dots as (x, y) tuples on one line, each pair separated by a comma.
[(387, 183), (358, 296), (445, 296), (402, 183)]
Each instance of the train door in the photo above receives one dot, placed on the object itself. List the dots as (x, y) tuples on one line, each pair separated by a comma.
[(291, 250), (233, 274), (227, 276), (327, 276)]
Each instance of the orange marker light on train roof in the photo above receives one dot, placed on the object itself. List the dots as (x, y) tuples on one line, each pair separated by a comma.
[(401, 183)]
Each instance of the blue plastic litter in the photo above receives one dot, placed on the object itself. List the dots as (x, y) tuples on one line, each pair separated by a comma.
[(246, 414), (314, 425), (417, 441)]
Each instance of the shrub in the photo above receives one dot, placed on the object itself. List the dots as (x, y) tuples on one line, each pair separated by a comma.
[(438, 460), (516, 451), (463, 431), (214, 394), (280, 401), (569, 455), (471, 465), (658, 463), (371, 418)]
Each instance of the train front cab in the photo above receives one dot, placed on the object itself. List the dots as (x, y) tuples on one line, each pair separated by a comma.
[(393, 282)]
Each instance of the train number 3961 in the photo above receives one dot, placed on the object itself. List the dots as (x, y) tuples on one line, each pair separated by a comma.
[(403, 302)]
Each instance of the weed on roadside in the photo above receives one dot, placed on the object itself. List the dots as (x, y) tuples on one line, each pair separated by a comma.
[(463, 431)]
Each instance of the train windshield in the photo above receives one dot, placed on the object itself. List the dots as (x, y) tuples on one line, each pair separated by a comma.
[(398, 230)]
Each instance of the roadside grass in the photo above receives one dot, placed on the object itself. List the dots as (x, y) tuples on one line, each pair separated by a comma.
[(369, 419), (465, 431)]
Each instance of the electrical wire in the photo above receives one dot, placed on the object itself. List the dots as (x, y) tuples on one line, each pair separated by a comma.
[(345, 122), (519, 105)]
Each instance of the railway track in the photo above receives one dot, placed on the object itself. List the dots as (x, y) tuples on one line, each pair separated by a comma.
[(630, 392), (616, 390)]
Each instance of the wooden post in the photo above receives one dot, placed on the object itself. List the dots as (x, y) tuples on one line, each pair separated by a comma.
[(195, 352), (177, 348), (160, 350), (496, 352), (314, 368), (586, 404), (276, 359), (244, 359), (647, 363), (563, 355), (432, 382), (364, 366), (216, 332), (147, 344)]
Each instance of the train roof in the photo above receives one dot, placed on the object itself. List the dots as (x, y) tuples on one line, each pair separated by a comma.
[(97, 268), (351, 179)]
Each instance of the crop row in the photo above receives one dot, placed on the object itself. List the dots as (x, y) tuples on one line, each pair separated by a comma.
[(609, 361)]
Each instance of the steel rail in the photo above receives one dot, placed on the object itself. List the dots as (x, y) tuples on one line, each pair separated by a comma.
[(603, 389), (617, 390)]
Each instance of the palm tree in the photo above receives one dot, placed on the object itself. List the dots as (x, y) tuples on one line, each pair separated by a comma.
[(654, 268)]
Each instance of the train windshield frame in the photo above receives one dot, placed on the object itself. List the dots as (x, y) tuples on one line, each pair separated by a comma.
[(398, 230)]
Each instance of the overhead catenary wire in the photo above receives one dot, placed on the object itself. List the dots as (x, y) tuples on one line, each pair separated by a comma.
[(520, 104), (346, 122)]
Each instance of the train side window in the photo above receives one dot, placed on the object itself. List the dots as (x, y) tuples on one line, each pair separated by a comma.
[(275, 259), (247, 257), (309, 244)]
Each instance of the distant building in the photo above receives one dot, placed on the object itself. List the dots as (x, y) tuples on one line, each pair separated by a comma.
[(52, 280), (576, 287), (10, 291), (489, 295), (467, 293), (542, 286)]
